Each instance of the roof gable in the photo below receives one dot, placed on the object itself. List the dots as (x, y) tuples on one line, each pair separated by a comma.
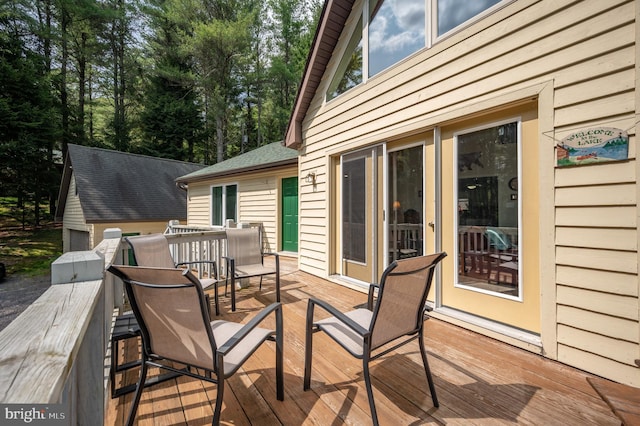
[(332, 20), (118, 186)]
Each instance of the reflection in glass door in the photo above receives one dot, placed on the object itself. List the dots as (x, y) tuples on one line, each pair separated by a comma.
[(405, 203), (488, 210)]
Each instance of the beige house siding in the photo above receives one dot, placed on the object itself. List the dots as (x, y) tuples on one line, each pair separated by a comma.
[(73, 218), (258, 201), (597, 269), (579, 60), (199, 204), (141, 228)]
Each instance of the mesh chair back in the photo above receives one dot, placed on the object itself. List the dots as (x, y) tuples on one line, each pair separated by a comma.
[(243, 245), (403, 292), (151, 250), (170, 307)]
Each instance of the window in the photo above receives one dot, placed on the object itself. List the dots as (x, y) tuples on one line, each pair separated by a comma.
[(405, 203), (488, 209), (223, 204), (395, 30), (349, 73), (452, 13)]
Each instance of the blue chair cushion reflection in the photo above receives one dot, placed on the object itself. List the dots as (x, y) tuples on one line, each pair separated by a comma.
[(498, 239)]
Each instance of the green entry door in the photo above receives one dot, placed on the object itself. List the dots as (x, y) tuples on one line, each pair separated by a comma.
[(290, 214)]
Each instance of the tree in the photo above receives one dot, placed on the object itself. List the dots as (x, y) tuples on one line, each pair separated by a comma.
[(171, 119), (26, 117), (292, 26)]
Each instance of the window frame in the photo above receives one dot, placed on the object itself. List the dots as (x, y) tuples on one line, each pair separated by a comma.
[(431, 38), (519, 141), (223, 207)]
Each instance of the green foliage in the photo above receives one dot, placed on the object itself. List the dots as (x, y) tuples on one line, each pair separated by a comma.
[(195, 80), (27, 128), (28, 251)]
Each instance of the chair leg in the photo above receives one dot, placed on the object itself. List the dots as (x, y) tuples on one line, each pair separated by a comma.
[(308, 348), (207, 299), (279, 356), (277, 279), (427, 370), (367, 382), (139, 389), (233, 293), (219, 396), (217, 299)]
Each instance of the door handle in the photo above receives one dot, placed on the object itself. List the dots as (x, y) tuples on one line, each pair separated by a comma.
[(432, 225)]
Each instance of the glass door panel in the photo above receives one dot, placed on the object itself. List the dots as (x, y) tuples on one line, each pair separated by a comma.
[(488, 210), (405, 203), (360, 211)]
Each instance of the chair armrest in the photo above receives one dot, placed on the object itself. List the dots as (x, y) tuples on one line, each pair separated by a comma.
[(201, 262), (194, 262), (336, 313), (255, 321), (197, 262), (372, 289)]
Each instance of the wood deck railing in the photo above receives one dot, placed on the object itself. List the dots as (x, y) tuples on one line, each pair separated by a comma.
[(54, 352), (57, 350)]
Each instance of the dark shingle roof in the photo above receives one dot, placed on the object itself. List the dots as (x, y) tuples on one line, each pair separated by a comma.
[(117, 186), (265, 157)]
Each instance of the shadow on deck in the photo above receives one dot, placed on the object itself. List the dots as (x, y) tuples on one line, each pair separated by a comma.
[(479, 380)]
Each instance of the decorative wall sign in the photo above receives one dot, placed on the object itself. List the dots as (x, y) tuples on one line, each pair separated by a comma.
[(597, 145)]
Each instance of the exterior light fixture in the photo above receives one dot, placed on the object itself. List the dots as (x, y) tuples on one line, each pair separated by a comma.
[(310, 178)]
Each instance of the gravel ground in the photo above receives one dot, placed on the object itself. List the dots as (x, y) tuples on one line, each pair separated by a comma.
[(17, 292)]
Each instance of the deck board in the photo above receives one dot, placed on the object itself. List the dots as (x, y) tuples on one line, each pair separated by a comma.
[(478, 379)]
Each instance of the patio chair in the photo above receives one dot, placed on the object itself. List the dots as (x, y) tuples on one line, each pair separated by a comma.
[(169, 305), (153, 251), (245, 259), (398, 313)]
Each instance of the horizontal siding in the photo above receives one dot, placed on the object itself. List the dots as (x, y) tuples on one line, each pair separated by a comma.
[(614, 349), (602, 195), (606, 303), (614, 217), (141, 228), (258, 201), (600, 281), (534, 45), (519, 50), (605, 325), (599, 365), (603, 238), (606, 260), (73, 217), (199, 205), (586, 52), (621, 81), (600, 174)]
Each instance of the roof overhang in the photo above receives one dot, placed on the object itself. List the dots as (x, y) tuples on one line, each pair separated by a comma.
[(241, 171), (332, 20)]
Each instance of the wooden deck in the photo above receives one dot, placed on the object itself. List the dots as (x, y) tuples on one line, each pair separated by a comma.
[(478, 380)]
